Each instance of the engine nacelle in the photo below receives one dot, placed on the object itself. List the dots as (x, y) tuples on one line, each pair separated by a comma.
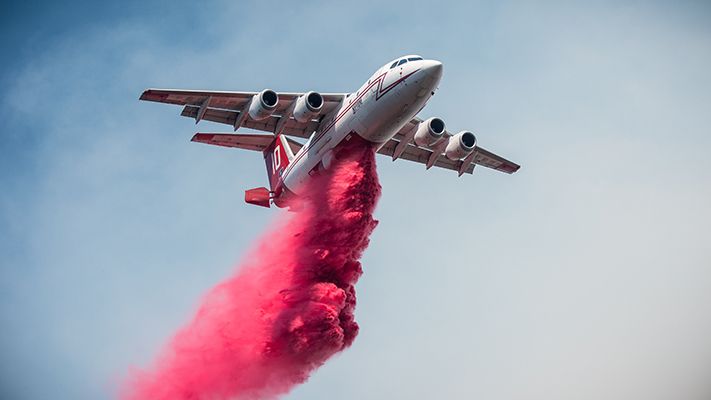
[(263, 104), (429, 132), (460, 145), (308, 106)]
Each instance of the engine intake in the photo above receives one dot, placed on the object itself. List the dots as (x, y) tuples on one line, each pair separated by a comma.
[(460, 145), (308, 106), (263, 104), (429, 132)]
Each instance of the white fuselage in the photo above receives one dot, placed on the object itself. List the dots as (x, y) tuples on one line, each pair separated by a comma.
[(376, 112)]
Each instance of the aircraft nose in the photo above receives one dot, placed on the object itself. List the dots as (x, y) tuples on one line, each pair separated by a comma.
[(434, 69)]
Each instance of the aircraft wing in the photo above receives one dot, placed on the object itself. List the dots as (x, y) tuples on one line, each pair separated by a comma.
[(435, 157), (225, 107), (248, 142)]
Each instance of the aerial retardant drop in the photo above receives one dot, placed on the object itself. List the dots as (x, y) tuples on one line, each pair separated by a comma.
[(288, 308)]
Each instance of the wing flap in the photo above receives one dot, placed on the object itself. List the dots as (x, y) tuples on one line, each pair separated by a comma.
[(292, 127)]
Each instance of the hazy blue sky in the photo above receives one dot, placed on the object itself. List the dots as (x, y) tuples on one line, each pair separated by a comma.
[(586, 275)]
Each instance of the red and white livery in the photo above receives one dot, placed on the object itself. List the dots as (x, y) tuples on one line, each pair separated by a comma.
[(382, 114)]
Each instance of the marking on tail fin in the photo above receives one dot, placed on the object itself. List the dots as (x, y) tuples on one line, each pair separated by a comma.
[(277, 156)]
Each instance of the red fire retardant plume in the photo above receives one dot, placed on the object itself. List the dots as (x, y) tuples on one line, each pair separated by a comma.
[(290, 305)]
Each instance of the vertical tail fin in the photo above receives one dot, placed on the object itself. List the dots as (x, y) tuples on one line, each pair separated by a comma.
[(277, 156)]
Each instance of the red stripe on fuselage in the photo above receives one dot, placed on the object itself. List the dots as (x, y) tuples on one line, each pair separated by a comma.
[(381, 92)]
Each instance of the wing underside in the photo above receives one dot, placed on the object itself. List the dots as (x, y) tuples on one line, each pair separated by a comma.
[(291, 127), (436, 158), (226, 107)]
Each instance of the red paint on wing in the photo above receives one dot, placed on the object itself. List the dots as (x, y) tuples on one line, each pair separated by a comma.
[(289, 307)]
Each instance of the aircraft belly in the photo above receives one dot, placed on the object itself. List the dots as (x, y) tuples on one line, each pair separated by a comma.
[(300, 172), (374, 120)]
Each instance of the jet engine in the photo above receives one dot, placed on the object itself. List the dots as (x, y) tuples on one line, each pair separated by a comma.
[(429, 132), (308, 106), (460, 145), (263, 104)]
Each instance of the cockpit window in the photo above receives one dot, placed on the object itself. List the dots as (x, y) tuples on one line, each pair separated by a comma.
[(414, 59), (394, 65), (403, 61)]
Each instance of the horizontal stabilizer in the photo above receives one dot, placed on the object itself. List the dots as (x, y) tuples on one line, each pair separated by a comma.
[(258, 196), (256, 142)]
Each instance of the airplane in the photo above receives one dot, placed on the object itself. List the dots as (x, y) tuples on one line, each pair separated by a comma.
[(382, 113)]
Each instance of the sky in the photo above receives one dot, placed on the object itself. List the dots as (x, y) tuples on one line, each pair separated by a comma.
[(585, 275)]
